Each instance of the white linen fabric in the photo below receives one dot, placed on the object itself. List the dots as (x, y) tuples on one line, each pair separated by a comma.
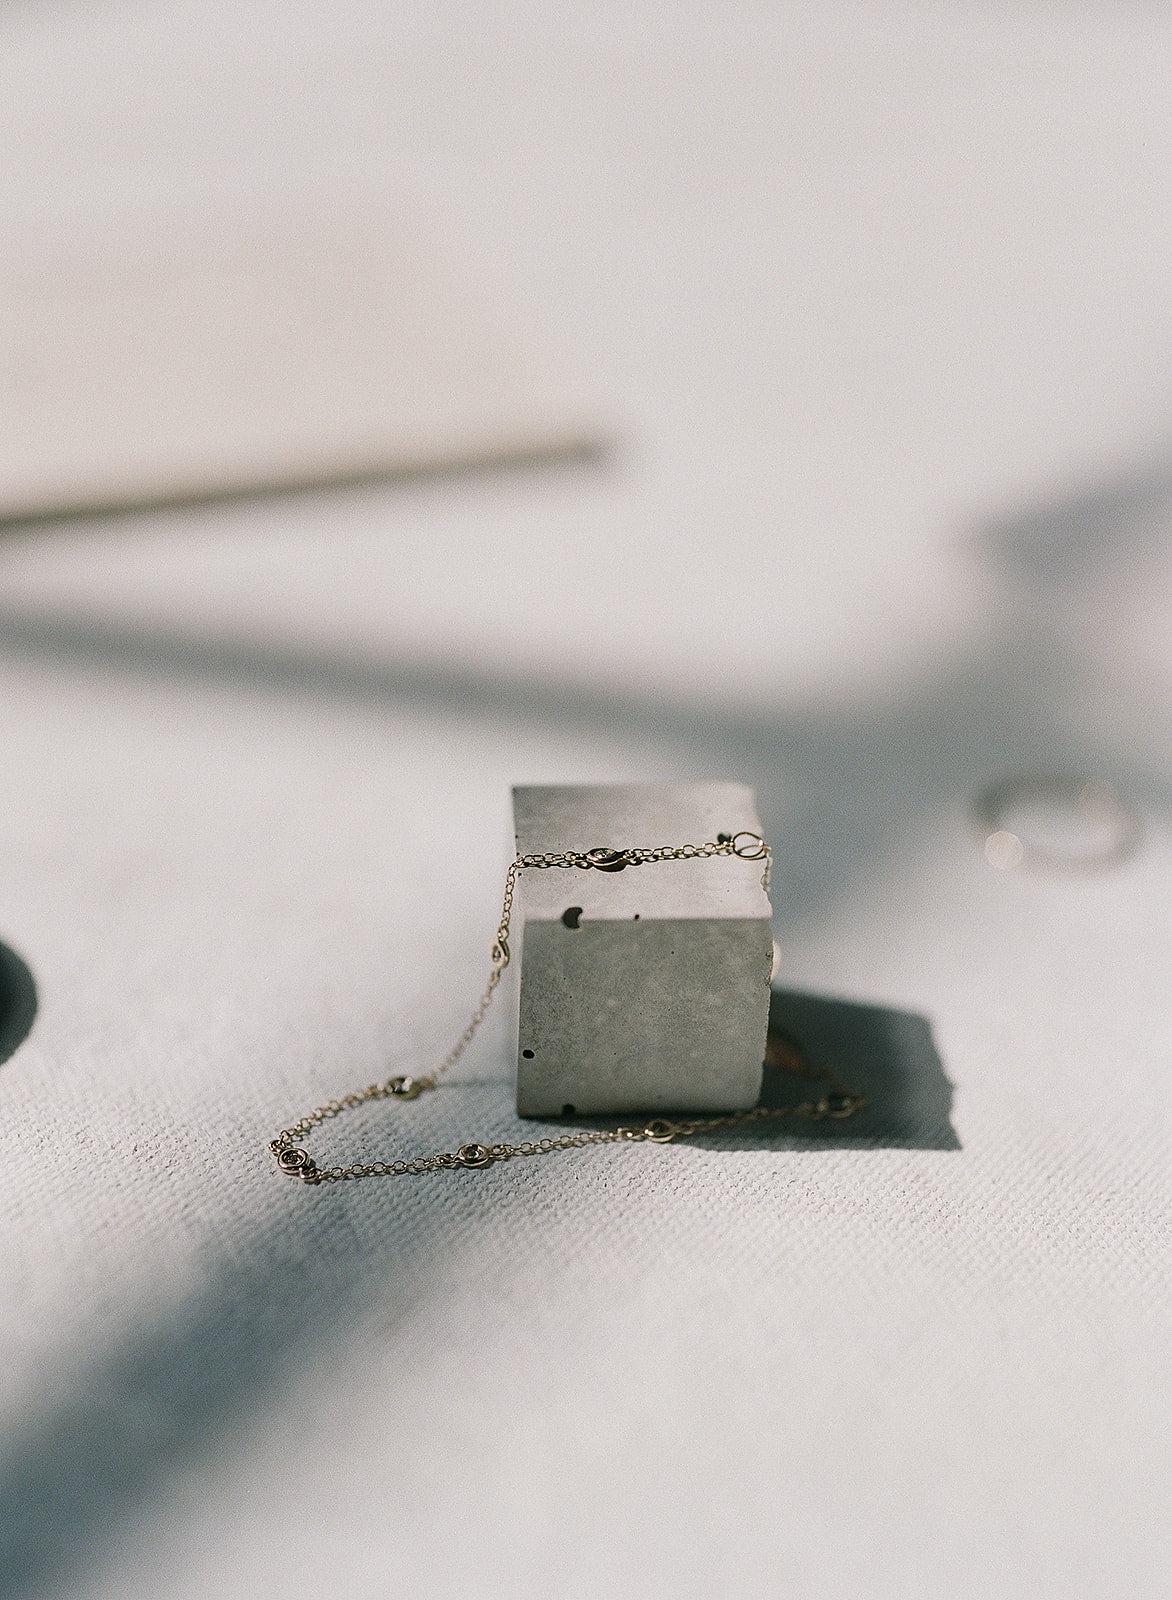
[(878, 298)]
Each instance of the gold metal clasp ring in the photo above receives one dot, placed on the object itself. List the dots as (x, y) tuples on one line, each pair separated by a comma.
[(754, 850)]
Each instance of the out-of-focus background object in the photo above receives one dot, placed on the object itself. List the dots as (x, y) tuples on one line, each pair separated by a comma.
[(873, 300), (250, 362), (1055, 824)]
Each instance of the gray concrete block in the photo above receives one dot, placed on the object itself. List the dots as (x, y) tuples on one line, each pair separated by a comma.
[(645, 989)]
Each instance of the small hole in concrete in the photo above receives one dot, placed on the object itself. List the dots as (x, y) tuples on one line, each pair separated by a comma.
[(569, 1110), (636, 916), (571, 915), (528, 1054)]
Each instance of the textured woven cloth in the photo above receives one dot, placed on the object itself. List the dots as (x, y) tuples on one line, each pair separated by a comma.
[(883, 1357)]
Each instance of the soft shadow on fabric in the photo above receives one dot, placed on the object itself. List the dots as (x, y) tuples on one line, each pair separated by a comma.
[(888, 1055), (131, 1420), (841, 785)]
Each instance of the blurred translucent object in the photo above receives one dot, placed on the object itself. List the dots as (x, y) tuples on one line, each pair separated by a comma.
[(1055, 824), (1004, 850)]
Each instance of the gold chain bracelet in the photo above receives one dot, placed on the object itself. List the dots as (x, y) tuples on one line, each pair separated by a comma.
[(839, 1102)]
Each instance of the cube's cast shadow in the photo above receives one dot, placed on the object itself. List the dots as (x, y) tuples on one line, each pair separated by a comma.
[(887, 1055)]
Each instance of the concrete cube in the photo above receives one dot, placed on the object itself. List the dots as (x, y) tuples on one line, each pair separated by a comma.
[(645, 989)]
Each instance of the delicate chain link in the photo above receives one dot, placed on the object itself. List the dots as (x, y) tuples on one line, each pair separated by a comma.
[(839, 1102)]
